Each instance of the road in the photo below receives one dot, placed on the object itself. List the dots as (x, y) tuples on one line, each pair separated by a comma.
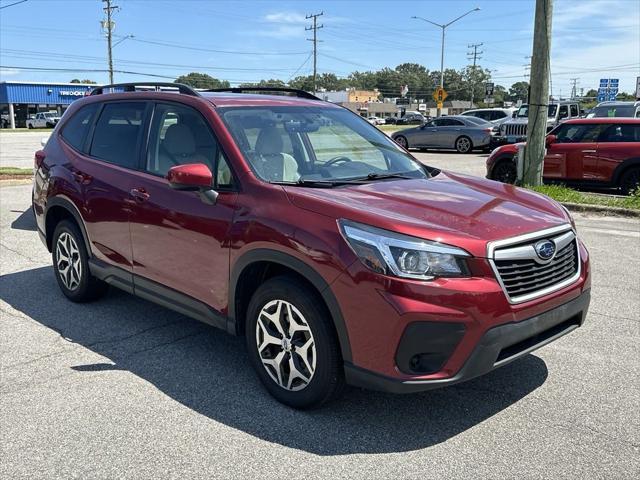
[(17, 149), (124, 389)]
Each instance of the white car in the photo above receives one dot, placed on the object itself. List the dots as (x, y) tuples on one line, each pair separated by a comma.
[(43, 120), (376, 120)]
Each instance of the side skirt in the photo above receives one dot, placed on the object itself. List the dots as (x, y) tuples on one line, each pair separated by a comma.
[(157, 293)]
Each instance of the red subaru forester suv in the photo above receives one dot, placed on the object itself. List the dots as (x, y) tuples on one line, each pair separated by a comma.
[(297, 224)]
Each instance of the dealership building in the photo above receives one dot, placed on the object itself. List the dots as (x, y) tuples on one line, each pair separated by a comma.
[(19, 100)]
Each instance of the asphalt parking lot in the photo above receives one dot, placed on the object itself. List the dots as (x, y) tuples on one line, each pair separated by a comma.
[(122, 388)]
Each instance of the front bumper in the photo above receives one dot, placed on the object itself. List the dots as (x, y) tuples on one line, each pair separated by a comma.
[(497, 347)]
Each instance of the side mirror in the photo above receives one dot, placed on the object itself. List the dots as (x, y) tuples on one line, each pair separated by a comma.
[(193, 177), (550, 140), (513, 115)]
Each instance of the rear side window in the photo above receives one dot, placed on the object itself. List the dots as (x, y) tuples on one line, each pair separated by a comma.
[(574, 111), (622, 133), (117, 134), (76, 128)]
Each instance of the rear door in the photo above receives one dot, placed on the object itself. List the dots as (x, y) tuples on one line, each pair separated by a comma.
[(104, 172), (574, 154), (178, 240), (450, 132), (618, 143)]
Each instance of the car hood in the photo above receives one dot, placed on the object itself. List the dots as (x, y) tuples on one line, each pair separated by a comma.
[(450, 208)]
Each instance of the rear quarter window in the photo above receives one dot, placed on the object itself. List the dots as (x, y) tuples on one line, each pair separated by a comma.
[(76, 128)]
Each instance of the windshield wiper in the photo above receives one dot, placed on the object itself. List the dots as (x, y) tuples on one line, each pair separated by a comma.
[(383, 176)]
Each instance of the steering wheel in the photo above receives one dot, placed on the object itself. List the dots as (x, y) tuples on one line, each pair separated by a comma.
[(338, 159)]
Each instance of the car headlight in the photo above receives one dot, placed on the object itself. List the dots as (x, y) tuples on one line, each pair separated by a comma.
[(391, 253)]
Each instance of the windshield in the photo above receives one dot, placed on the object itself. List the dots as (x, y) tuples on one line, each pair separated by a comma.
[(523, 111), (614, 111), (315, 144)]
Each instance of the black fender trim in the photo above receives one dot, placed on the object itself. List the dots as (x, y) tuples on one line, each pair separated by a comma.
[(157, 293), (75, 213), (620, 169), (300, 267)]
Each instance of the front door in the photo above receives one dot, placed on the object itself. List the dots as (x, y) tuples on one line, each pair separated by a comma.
[(573, 156), (178, 240)]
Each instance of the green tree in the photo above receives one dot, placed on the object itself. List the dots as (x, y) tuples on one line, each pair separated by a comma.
[(202, 80), (519, 91), (77, 80), (272, 82)]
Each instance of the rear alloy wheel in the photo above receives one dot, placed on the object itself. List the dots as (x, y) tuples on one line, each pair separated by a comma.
[(71, 265), (505, 171), (292, 344), (464, 145), (402, 141), (630, 181)]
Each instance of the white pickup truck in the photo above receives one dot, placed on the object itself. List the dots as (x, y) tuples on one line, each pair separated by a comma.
[(43, 120)]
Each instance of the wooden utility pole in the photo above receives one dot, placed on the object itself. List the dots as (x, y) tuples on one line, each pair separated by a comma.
[(315, 27), (539, 96), (475, 55), (108, 26)]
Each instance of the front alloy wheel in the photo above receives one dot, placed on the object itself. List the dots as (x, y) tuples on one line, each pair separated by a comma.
[(292, 343), (286, 345)]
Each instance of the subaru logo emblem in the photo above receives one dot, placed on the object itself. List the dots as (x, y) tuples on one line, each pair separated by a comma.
[(545, 249)]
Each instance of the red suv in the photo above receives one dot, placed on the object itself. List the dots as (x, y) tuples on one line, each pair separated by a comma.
[(602, 152), (296, 223)]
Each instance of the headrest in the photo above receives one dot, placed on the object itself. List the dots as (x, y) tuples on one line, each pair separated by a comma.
[(269, 141), (178, 140)]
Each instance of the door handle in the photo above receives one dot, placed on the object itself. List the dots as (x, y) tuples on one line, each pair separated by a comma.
[(588, 151), (139, 194), (82, 178)]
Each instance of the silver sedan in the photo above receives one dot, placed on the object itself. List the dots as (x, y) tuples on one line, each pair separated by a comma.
[(453, 132)]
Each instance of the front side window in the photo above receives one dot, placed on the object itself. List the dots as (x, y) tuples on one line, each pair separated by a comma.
[(574, 111), (315, 144), (76, 128), (118, 132), (579, 133), (180, 135)]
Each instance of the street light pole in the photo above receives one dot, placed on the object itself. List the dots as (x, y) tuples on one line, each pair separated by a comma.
[(444, 26)]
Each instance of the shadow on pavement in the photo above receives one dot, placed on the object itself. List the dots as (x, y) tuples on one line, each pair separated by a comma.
[(207, 371), (26, 221)]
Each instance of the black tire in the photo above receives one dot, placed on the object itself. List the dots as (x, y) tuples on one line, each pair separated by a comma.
[(77, 287), (327, 379), (630, 181), (402, 141), (30, 126), (463, 144), (505, 171)]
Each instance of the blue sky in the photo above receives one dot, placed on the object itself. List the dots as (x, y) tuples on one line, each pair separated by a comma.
[(248, 40)]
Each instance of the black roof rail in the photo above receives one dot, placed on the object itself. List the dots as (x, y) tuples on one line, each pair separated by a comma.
[(131, 87), (297, 92)]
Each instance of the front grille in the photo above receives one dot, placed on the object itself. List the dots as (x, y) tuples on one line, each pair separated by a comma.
[(524, 275), (516, 129)]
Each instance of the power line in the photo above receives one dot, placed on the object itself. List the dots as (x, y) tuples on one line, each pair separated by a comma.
[(12, 4), (315, 27)]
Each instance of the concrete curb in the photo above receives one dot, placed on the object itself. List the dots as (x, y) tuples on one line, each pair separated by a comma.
[(616, 211), (12, 182)]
